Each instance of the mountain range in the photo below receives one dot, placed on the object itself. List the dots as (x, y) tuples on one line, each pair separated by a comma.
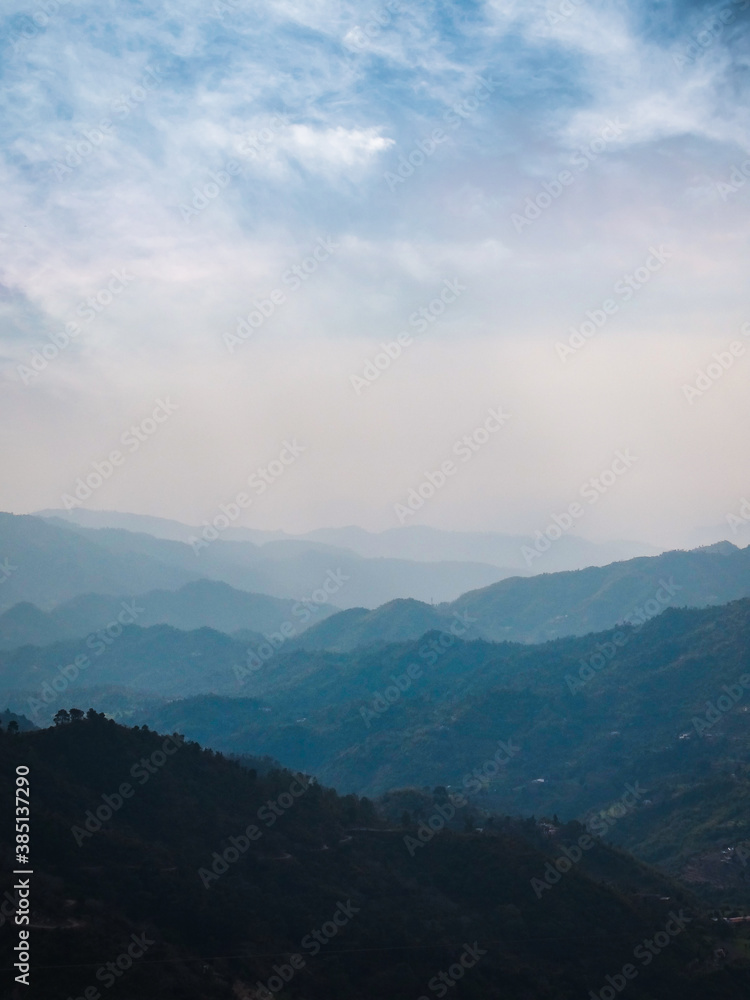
[(50, 561), (553, 605), (412, 542), (203, 603), (591, 679), (148, 849)]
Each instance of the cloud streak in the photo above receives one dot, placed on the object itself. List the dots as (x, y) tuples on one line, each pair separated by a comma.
[(315, 107)]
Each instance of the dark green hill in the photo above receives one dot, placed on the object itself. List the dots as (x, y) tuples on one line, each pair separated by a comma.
[(588, 715), (397, 621), (664, 707), (160, 661), (314, 875)]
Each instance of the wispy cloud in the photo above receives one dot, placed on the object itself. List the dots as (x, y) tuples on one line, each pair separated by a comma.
[(183, 84)]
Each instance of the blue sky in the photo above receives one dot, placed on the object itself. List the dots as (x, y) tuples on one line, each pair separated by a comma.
[(286, 124)]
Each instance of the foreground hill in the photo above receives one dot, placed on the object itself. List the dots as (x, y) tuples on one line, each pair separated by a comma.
[(698, 829), (227, 882), (551, 605)]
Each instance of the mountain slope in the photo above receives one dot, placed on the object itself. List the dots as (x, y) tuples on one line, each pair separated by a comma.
[(202, 604), (159, 660), (535, 609), (663, 708), (590, 714), (291, 568), (588, 600), (25, 624), (48, 564), (502, 550), (397, 621), (413, 542), (319, 878)]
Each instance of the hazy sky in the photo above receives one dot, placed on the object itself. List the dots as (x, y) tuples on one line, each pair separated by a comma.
[(514, 169)]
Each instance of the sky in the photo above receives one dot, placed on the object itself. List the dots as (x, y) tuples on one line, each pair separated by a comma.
[(341, 258)]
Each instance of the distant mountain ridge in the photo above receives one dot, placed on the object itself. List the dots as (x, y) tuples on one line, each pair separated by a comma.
[(50, 561), (412, 542), (200, 604), (50, 564), (552, 605), (527, 609)]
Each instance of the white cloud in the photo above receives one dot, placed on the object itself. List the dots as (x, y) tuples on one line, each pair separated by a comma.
[(334, 149), (349, 113)]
